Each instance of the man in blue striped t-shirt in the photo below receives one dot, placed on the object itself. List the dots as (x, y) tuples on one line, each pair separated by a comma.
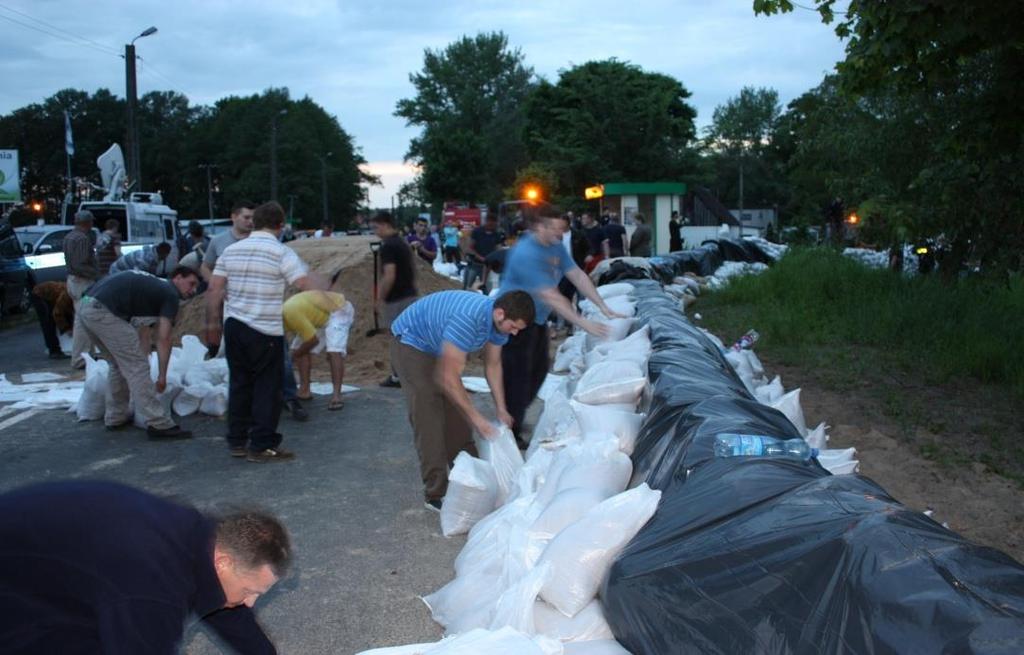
[(432, 338)]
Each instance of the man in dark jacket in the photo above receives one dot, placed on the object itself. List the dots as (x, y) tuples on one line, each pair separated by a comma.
[(98, 567)]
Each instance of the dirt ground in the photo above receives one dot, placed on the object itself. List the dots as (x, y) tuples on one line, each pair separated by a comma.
[(922, 443), (367, 361)]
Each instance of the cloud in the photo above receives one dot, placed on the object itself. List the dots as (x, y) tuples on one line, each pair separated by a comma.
[(355, 57)]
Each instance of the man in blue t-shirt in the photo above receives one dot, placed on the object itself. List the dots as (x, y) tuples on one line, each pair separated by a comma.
[(536, 265), (433, 336)]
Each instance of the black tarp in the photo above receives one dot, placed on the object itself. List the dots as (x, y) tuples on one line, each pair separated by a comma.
[(764, 555)]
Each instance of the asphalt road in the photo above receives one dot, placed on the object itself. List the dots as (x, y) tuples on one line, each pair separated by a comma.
[(366, 548)]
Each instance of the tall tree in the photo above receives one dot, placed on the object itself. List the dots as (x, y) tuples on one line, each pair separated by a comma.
[(469, 104), (610, 120)]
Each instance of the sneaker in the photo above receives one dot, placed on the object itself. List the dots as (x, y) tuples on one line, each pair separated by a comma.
[(238, 451), (173, 432), (269, 455), (297, 411), (59, 354), (433, 505), (391, 382)]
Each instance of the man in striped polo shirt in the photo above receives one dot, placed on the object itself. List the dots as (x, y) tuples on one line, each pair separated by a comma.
[(433, 336), (247, 290)]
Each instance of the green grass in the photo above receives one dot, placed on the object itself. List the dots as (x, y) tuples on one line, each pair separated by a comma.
[(814, 299)]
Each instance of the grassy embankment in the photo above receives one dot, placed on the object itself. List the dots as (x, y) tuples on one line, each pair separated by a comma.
[(892, 337)]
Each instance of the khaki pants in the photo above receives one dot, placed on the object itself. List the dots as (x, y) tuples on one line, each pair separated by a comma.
[(388, 314), (440, 431), (80, 343), (129, 367)]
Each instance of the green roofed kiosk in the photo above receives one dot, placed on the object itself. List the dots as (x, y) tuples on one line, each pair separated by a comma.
[(655, 200)]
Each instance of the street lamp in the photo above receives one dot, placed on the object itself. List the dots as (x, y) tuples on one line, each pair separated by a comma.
[(323, 180), (273, 153), (132, 139)]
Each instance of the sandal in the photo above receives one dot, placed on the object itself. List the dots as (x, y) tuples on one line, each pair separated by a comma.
[(335, 405)]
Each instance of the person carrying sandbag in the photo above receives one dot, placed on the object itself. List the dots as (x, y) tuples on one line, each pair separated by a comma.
[(433, 336), (106, 315)]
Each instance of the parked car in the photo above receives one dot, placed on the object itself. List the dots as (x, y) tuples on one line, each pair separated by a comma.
[(15, 277), (43, 249)]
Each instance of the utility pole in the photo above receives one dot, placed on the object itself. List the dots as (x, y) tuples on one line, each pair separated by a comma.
[(291, 207), (323, 181), (741, 193), (273, 153), (134, 167), (209, 188)]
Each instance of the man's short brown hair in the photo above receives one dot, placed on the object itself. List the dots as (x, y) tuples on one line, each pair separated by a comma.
[(534, 214), (268, 216), (518, 306), (255, 538)]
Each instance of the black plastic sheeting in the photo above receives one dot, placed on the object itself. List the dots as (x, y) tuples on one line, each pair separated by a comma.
[(703, 261), (760, 555)]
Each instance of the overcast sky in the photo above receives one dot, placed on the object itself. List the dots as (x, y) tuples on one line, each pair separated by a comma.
[(354, 58)]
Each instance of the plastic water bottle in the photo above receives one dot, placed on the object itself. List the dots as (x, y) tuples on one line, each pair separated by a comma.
[(755, 445), (747, 341)]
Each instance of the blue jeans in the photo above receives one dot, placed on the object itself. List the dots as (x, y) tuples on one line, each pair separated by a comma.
[(289, 387)]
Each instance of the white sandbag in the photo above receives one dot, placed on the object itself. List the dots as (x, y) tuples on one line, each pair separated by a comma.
[(607, 291), (503, 454), (488, 540), (588, 625), (611, 382), (618, 328), (166, 400), (601, 419), (505, 641), (187, 402), (215, 403), (755, 364), (635, 348), (623, 305), (770, 392), (212, 372), (817, 438), (740, 364), (92, 404), (689, 283), (600, 466), (472, 494), (570, 350), (839, 461), (597, 647), (515, 607), (533, 473), (581, 554), (789, 404), (566, 508)]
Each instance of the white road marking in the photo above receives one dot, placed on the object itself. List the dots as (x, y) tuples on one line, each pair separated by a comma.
[(18, 418)]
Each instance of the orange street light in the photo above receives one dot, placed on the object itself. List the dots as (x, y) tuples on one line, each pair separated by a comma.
[(532, 193), (37, 206), (853, 219)]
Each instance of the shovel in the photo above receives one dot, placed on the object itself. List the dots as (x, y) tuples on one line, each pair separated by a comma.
[(375, 249)]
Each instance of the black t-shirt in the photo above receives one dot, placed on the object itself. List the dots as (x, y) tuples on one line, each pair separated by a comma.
[(136, 293), (485, 242), (614, 232), (394, 250), (595, 235)]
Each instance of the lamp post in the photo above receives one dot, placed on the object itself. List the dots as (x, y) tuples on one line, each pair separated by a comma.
[(323, 180), (273, 153), (132, 138), (209, 189)]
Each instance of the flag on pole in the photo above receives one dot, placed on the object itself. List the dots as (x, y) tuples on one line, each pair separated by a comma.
[(69, 142)]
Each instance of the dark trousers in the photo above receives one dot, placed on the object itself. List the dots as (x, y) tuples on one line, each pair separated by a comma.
[(256, 365), (46, 323), (524, 365)]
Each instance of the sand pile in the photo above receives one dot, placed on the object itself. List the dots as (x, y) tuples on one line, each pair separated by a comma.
[(367, 361)]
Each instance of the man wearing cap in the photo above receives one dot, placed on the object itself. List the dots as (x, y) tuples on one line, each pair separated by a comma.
[(83, 270)]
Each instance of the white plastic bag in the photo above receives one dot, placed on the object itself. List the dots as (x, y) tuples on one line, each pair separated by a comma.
[(570, 350), (598, 647), (789, 405), (505, 641), (635, 348), (188, 400), (581, 554), (839, 461), (566, 508), (817, 438), (503, 454), (600, 466), (215, 403), (618, 328), (515, 607), (92, 403), (769, 393), (472, 494), (600, 419), (588, 625), (611, 382)]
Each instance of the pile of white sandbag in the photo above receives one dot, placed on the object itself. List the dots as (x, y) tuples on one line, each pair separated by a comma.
[(880, 258), (544, 530), (194, 384), (773, 250), (750, 371), (729, 270)]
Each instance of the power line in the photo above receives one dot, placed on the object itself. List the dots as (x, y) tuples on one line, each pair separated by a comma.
[(816, 10), (149, 68), (57, 32)]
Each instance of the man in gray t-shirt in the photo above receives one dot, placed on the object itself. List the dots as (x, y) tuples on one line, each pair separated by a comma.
[(241, 227)]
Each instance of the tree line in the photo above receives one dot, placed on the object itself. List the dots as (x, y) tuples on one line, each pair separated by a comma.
[(179, 140), (918, 131)]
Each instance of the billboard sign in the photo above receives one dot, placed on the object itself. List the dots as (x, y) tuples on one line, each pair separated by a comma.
[(10, 182)]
